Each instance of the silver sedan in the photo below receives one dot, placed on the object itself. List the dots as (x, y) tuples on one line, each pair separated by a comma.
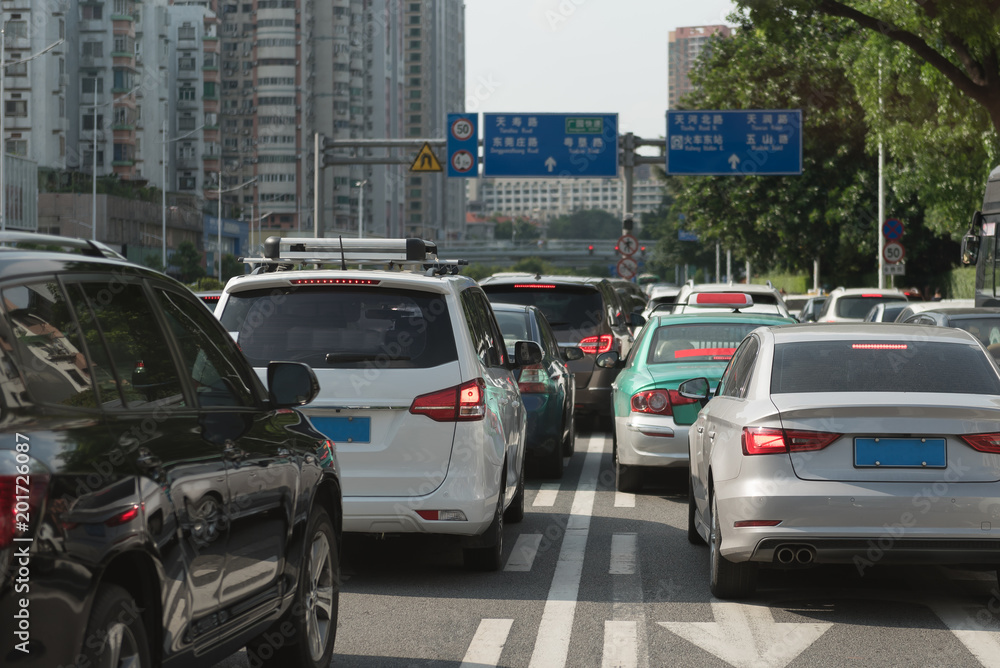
[(846, 443)]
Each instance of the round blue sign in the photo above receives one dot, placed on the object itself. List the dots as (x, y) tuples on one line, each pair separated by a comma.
[(892, 229)]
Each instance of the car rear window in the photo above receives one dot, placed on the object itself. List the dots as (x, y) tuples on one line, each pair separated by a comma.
[(564, 306), (882, 366), (857, 306), (708, 342), (335, 327), (986, 330)]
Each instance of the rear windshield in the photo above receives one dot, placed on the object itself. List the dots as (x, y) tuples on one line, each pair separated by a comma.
[(564, 306), (326, 327), (882, 366), (986, 330), (857, 306), (697, 343)]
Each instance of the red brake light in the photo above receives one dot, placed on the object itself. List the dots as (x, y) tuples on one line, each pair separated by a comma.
[(533, 285), (740, 524), (983, 442), (123, 517), (335, 281), (210, 298), (659, 402), (714, 353), (590, 247), (878, 346), (803, 441), (597, 344), (769, 441), (875, 295), (461, 403), (534, 380)]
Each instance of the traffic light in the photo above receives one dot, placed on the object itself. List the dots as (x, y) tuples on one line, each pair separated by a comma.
[(590, 249), (628, 223)]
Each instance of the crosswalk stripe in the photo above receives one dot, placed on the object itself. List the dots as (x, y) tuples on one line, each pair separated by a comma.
[(623, 548), (624, 500), (554, 630), (487, 644), (546, 495), (620, 640), (523, 555)]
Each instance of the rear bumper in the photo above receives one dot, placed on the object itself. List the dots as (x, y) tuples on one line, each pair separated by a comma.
[(594, 401), (544, 424), (646, 440), (846, 522)]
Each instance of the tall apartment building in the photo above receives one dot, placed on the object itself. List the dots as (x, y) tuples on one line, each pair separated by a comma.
[(435, 86), (683, 48)]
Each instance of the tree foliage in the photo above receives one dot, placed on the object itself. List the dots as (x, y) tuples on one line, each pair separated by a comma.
[(586, 224), (187, 260)]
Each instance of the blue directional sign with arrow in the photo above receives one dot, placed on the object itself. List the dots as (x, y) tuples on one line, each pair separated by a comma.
[(735, 143), (550, 145)]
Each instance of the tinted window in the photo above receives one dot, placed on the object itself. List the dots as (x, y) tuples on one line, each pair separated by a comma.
[(697, 343), (342, 326), (986, 330), (736, 379), (577, 308), (549, 341), (479, 318), (513, 326), (855, 366), (857, 306)]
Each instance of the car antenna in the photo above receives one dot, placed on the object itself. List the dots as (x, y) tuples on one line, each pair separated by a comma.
[(343, 260)]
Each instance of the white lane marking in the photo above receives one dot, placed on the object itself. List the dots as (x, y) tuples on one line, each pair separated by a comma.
[(964, 621), (523, 555), (487, 644), (546, 495), (552, 642), (624, 500), (746, 636), (623, 547), (620, 640)]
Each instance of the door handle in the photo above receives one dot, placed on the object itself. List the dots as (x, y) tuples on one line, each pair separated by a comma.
[(711, 434), (701, 429)]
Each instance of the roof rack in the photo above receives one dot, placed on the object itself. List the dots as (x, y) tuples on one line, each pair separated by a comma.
[(413, 254), (85, 246)]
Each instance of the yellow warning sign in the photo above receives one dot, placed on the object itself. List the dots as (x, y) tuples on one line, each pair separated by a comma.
[(425, 161)]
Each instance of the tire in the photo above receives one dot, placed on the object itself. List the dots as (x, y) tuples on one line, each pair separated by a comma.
[(490, 557), (693, 536), (115, 621), (313, 614), (515, 511), (569, 444), (727, 579), (627, 478)]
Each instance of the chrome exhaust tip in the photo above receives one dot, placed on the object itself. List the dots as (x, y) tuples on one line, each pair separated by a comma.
[(785, 555), (805, 555)]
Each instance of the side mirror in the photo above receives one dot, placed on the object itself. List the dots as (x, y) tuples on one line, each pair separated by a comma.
[(696, 388), (636, 320), (527, 353), (571, 353), (291, 384), (609, 360)]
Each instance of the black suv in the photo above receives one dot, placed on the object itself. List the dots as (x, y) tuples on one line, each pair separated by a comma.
[(584, 312), (158, 505)]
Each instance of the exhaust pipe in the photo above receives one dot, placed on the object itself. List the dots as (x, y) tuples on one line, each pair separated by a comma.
[(785, 555), (804, 555)]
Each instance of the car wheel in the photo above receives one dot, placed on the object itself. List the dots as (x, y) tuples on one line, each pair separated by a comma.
[(313, 615), (693, 536), (627, 478), (569, 444), (515, 511), (490, 557), (727, 579), (116, 636)]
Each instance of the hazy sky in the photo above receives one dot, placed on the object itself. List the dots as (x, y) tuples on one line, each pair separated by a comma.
[(571, 56)]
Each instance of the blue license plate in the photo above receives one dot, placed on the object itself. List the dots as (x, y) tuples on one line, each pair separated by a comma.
[(920, 453), (345, 429)]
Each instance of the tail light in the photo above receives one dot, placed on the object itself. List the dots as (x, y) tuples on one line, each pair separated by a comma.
[(597, 344), (659, 402), (534, 380), (983, 442), (768, 441), (20, 505), (461, 403)]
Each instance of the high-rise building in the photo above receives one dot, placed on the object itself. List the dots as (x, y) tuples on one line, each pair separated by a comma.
[(683, 48)]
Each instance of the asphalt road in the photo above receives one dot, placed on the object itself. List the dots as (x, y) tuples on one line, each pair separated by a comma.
[(598, 578)]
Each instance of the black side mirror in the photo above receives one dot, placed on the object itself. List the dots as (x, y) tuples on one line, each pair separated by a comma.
[(696, 388), (527, 353), (571, 353), (291, 384), (609, 360), (636, 320)]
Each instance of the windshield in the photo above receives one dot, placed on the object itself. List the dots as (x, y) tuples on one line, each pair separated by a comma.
[(857, 306), (569, 307), (709, 342)]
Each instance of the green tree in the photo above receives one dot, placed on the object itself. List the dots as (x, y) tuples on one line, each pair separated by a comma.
[(187, 260), (231, 266), (586, 224), (523, 230)]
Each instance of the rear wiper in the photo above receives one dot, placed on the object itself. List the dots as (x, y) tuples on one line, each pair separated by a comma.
[(334, 358)]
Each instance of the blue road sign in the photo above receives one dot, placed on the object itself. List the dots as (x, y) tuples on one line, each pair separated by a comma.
[(892, 229), (550, 145), (463, 145), (736, 143), (684, 235)]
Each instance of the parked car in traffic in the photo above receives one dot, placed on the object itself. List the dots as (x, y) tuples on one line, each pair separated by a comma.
[(651, 418), (583, 312), (983, 323), (632, 295), (547, 389), (819, 440), (885, 311), (418, 388), (661, 298), (853, 304), (209, 298), (170, 516), (913, 308), (766, 299), (811, 309)]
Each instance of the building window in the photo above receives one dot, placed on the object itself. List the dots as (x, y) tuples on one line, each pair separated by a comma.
[(415, 118), (88, 121), (18, 70), (185, 63), (16, 29), (17, 147), (414, 32), (16, 107), (123, 79), (92, 12), (93, 49), (124, 44), (414, 69), (186, 92), (123, 152), (186, 123), (210, 90), (186, 183), (415, 94), (186, 31), (414, 43), (90, 83)]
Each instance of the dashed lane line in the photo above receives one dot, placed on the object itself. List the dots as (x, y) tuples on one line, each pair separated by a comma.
[(487, 645), (620, 645), (523, 555), (546, 496)]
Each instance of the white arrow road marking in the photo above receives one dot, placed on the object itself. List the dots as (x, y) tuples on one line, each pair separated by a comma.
[(620, 640), (550, 163), (487, 644), (552, 642), (734, 161), (523, 555), (546, 495), (746, 636)]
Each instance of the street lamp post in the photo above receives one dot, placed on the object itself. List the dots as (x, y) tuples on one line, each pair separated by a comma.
[(218, 221), (93, 173), (3, 134), (361, 207)]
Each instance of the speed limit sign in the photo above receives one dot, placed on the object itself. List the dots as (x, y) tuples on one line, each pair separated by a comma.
[(893, 252)]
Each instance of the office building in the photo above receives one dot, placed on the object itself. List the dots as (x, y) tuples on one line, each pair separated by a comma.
[(684, 46)]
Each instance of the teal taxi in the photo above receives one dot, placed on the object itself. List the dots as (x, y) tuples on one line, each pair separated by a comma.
[(651, 418)]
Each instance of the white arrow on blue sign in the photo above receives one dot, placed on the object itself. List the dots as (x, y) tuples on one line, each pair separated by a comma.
[(550, 145), (735, 143)]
